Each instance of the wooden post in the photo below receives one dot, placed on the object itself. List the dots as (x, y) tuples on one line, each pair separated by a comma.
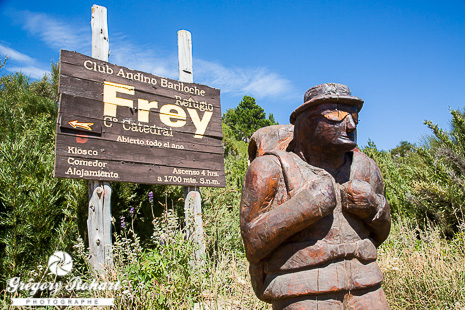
[(185, 56), (193, 213), (192, 199), (99, 220)]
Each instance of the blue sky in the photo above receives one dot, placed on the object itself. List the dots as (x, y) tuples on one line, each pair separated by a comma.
[(406, 59)]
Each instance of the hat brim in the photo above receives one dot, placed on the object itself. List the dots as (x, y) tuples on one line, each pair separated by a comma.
[(350, 100)]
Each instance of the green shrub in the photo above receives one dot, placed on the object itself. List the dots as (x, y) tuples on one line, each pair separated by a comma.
[(37, 212), (421, 269), (427, 182)]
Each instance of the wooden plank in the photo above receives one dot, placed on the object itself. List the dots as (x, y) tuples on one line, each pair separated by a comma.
[(120, 171), (148, 140), (99, 225), (96, 245), (96, 148), (76, 65), (145, 120), (94, 108), (107, 234), (87, 89), (74, 123), (146, 133)]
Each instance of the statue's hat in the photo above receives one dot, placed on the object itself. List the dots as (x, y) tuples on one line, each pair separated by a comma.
[(324, 93)]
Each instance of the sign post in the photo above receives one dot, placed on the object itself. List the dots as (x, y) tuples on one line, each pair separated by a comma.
[(123, 125), (192, 198), (99, 218)]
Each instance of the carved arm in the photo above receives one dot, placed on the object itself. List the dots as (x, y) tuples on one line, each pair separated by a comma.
[(264, 228)]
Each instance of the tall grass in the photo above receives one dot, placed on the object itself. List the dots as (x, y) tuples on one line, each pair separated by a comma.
[(161, 277), (422, 270)]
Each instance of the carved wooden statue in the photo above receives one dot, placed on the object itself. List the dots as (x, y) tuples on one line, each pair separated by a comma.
[(313, 210)]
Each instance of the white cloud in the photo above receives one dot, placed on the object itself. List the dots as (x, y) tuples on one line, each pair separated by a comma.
[(257, 82), (14, 55), (22, 63), (144, 59), (55, 33), (33, 72)]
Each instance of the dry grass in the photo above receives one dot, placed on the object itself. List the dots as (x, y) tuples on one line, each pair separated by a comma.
[(421, 269)]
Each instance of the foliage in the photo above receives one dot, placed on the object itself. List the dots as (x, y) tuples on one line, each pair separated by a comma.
[(421, 269), (403, 149), (161, 276), (221, 205), (246, 118), (398, 176), (131, 205), (442, 188), (427, 182), (35, 208), (423, 184)]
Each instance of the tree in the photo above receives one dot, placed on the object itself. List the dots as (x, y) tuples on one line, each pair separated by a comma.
[(37, 211), (403, 149), (442, 192), (246, 118), (398, 176), (427, 182)]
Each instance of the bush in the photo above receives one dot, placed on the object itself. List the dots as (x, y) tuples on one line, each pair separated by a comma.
[(421, 269), (35, 208), (427, 182)]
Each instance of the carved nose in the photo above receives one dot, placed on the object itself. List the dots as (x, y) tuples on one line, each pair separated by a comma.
[(350, 124)]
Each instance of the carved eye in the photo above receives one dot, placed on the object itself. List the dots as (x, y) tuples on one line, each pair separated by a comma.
[(339, 116)]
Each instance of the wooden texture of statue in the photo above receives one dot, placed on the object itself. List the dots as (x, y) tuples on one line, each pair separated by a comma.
[(313, 210)]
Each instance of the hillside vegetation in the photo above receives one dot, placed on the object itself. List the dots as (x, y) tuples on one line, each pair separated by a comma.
[(423, 259)]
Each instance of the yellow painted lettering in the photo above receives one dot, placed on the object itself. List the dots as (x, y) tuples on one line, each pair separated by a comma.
[(170, 118), (111, 101), (200, 124), (144, 107)]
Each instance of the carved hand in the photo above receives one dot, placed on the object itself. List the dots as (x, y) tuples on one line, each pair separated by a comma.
[(321, 198), (359, 198)]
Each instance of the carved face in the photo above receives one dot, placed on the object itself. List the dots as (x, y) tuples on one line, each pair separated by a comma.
[(328, 127)]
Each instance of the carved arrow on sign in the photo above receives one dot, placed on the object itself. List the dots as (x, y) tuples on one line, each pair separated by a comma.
[(75, 124)]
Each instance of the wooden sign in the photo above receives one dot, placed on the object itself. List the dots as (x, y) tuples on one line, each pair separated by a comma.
[(122, 125)]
